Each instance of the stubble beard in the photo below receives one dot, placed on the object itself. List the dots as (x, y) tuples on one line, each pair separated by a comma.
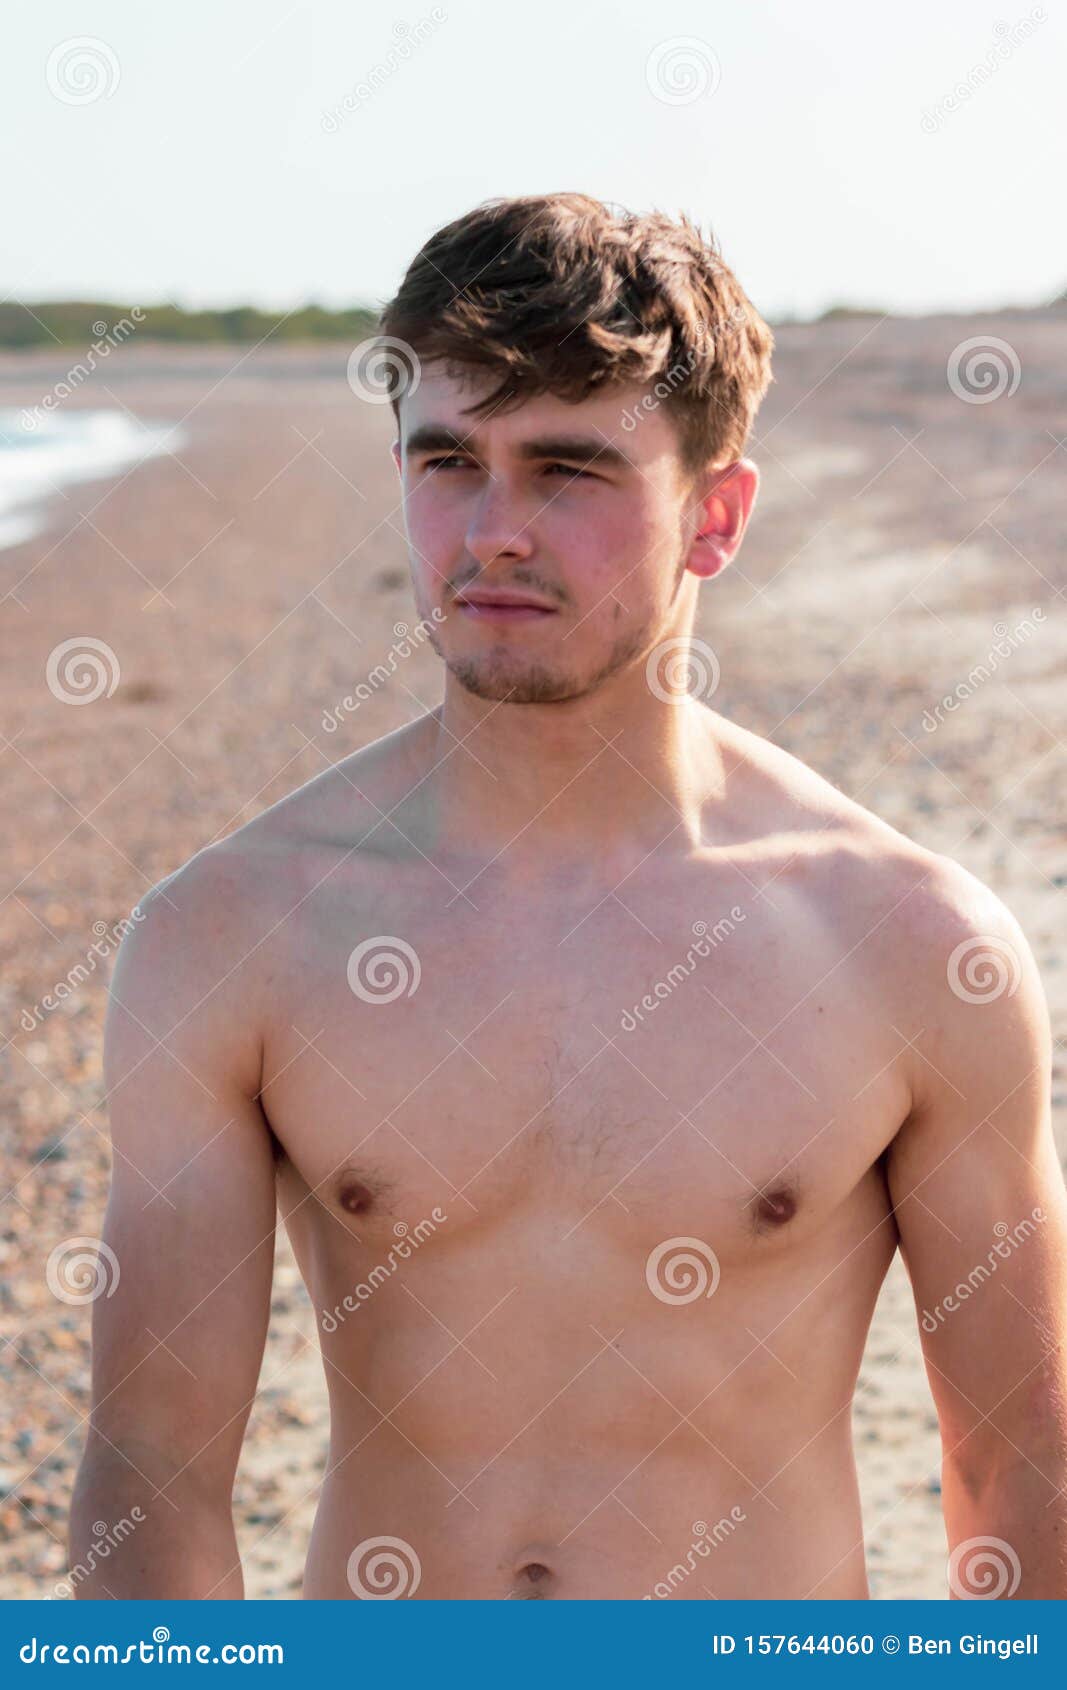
[(502, 675), (508, 676)]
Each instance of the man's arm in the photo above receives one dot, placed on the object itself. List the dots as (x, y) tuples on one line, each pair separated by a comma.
[(982, 1212), (178, 1338)]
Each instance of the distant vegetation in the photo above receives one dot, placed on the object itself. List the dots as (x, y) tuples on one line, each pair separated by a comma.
[(80, 322), (845, 313)]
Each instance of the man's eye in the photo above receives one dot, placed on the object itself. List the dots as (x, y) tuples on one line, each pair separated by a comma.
[(454, 461)]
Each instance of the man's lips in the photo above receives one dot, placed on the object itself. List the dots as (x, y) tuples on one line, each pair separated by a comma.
[(502, 607)]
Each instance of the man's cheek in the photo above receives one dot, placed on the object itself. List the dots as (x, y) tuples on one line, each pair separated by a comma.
[(622, 559), (434, 539)]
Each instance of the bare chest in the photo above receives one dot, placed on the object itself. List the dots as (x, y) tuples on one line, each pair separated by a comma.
[(641, 1073)]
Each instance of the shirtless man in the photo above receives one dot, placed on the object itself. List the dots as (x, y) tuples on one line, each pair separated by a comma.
[(598, 1053)]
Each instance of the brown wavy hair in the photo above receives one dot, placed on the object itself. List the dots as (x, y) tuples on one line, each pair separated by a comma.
[(561, 294)]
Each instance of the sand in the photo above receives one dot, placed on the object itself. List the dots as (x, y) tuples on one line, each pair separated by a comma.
[(246, 584)]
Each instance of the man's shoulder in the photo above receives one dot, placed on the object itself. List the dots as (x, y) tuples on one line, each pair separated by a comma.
[(879, 887), (347, 802), (223, 903), (185, 975)]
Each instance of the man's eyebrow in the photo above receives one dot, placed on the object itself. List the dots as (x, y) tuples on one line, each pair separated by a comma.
[(573, 448), (576, 448)]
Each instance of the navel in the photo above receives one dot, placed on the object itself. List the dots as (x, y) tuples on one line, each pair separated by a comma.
[(529, 1585)]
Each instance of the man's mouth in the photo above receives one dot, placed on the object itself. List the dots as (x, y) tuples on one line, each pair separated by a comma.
[(501, 605)]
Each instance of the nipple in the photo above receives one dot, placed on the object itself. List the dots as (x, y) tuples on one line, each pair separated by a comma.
[(354, 1195), (775, 1206)]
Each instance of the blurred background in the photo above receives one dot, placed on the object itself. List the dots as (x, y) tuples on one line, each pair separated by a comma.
[(201, 547)]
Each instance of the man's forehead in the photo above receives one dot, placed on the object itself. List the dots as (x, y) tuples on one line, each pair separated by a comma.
[(444, 400)]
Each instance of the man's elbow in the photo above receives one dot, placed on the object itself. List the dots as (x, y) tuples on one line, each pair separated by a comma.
[(140, 1527)]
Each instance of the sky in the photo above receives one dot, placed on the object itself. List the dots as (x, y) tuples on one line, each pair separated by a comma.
[(271, 152)]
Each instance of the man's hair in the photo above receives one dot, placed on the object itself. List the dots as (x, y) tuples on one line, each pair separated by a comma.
[(560, 294)]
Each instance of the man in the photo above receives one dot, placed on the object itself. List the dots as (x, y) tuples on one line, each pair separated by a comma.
[(599, 1053)]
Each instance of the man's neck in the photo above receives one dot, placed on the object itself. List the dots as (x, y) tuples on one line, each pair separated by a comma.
[(595, 784)]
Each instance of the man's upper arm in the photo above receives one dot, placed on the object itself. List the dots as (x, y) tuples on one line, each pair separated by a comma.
[(976, 1183), (178, 1341)]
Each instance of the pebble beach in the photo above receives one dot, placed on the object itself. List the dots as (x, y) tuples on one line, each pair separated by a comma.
[(896, 618)]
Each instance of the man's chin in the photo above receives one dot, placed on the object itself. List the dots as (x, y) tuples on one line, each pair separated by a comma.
[(530, 684)]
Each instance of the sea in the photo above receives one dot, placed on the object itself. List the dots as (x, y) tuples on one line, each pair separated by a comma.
[(42, 451)]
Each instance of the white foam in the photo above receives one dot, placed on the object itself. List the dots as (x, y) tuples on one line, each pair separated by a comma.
[(42, 451)]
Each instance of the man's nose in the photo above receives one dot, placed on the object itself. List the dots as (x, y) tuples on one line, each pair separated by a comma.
[(499, 525)]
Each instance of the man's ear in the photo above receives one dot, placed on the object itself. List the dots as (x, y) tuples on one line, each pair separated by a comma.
[(395, 449), (722, 503)]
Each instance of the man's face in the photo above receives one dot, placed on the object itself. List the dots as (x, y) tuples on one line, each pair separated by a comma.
[(594, 535)]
